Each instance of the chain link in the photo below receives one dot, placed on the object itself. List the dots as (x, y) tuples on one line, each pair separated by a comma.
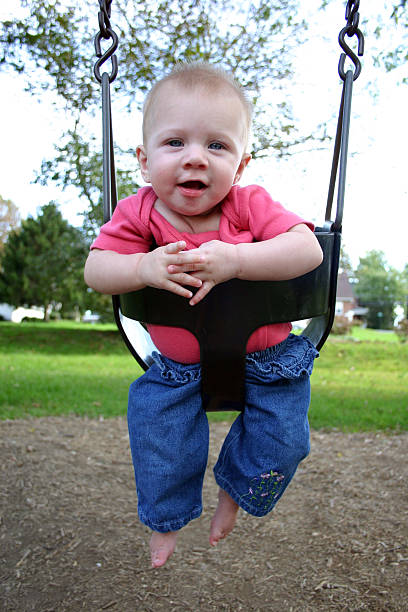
[(352, 16), (351, 29), (104, 17), (105, 32)]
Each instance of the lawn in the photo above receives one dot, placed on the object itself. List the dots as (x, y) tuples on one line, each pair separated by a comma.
[(359, 383), (63, 368)]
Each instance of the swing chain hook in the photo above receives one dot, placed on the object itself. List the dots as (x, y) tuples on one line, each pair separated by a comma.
[(351, 29), (105, 32)]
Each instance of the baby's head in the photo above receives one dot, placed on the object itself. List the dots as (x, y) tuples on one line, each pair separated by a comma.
[(196, 124), (205, 79)]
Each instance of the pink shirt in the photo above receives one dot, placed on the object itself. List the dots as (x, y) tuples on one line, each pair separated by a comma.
[(248, 214)]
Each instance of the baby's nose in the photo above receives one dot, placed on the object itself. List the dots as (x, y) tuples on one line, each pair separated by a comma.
[(195, 155)]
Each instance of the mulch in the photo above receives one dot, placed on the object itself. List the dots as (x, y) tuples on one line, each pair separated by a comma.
[(70, 538)]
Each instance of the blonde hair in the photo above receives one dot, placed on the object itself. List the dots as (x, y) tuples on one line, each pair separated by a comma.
[(199, 74)]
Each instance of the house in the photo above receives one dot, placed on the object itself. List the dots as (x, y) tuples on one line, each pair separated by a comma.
[(346, 301), (345, 298)]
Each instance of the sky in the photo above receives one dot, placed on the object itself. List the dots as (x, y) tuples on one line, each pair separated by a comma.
[(376, 204)]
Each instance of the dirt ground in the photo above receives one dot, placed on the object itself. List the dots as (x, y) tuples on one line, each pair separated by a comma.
[(70, 538)]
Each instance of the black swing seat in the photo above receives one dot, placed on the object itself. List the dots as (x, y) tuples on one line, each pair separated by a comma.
[(224, 320)]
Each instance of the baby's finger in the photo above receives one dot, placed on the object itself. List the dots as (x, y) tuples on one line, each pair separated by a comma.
[(175, 247), (186, 279), (201, 293), (187, 267), (184, 258), (178, 289)]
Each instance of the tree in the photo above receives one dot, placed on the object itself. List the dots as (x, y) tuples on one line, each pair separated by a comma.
[(54, 44), (345, 261), (56, 37), (379, 289), (78, 163), (398, 56), (42, 263), (405, 289), (9, 220)]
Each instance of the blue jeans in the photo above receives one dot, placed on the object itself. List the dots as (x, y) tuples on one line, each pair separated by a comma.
[(169, 435)]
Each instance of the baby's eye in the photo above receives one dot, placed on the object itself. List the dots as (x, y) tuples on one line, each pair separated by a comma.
[(175, 142), (217, 146)]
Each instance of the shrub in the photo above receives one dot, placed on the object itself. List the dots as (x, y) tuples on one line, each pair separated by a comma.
[(55, 316), (341, 326), (358, 323), (402, 330)]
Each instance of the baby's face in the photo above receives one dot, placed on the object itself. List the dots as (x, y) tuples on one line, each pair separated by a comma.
[(195, 147)]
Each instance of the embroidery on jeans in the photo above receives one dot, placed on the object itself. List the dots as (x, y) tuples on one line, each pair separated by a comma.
[(264, 490)]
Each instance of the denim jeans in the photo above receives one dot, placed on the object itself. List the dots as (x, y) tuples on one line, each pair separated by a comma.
[(169, 435)]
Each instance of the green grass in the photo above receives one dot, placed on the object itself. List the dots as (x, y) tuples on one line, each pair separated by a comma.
[(358, 384), (59, 368), (361, 385), (374, 335)]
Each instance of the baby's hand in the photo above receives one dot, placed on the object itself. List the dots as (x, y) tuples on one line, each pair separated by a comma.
[(166, 268), (219, 263)]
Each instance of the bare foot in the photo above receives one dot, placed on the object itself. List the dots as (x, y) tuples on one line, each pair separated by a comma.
[(162, 546), (224, 518)]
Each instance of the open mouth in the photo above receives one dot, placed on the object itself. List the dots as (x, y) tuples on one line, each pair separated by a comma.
[(196, 185)]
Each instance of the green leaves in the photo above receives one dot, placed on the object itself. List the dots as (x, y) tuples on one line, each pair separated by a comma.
[(379, 288), (52, 48), (42, 263), (9, 220), (57, 40)]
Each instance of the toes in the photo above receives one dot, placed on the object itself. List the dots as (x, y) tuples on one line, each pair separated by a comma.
[(159, 558), (217, 533), (161, 548), (215, 539)]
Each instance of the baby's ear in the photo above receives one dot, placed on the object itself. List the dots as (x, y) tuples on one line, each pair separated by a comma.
[(243, 164), (142, 159)]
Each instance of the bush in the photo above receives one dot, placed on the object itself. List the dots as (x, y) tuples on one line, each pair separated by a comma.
[(358, 323), (341, 326), (402, 330), (55, 316)]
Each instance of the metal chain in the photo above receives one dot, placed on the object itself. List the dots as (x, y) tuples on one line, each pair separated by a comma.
[(352, 16), (351, 29), (104, 17), (105, 32)]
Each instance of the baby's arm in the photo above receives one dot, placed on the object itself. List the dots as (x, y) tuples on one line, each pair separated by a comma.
[(286, 256), (113, 273)]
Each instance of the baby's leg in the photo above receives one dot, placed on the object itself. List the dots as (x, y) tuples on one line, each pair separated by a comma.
[(270, 437), (162, 546), (168, 433), (223, 521)]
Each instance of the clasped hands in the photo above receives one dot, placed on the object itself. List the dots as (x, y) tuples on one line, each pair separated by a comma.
[(173, 269)]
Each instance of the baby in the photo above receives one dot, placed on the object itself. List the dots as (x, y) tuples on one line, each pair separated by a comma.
[(207, 230)]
